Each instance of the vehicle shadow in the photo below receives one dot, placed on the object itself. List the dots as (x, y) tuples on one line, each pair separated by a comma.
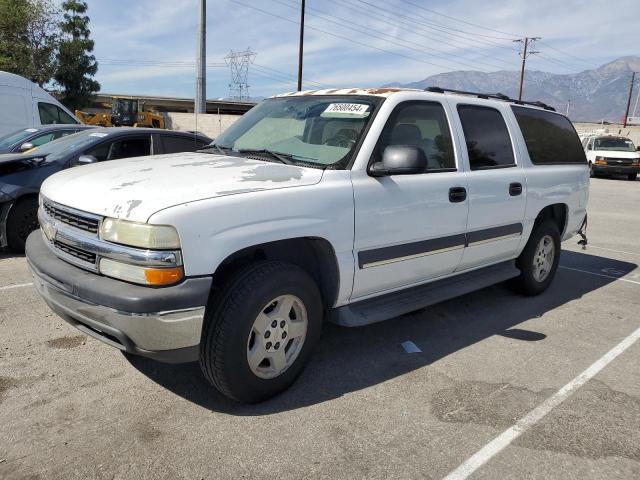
[(350, 359), (6, 254)]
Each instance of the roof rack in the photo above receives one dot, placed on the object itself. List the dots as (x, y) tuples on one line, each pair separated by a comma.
[(497, 96)]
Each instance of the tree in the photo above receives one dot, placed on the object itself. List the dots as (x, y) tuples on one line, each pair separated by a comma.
[(29, 38), (76, 64)]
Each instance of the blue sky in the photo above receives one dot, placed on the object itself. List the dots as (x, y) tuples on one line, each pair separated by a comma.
[(349, 42)]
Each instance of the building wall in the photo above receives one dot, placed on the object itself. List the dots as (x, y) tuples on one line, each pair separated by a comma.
[(210, 124)]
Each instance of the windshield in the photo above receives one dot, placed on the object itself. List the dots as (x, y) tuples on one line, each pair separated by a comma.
[(317, 130), (615, 144), (124, 106), (15, 137), (77, 140)]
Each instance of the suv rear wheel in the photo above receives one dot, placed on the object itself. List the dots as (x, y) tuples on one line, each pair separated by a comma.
[(538, 261), (632, 176), (260, 330)]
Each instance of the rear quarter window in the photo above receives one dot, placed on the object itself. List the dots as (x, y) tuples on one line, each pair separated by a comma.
[(550, 137), (177, 144)]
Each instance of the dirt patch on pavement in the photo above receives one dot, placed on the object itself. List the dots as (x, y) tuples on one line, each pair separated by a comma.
[(494, 404), (596, 422), (6, 383), (67, 342)]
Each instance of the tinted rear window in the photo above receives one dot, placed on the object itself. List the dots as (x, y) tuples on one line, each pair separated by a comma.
[(175, 144), (487, 137), (550, 138)]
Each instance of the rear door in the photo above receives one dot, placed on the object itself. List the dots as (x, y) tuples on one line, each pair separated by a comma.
[(497, 184)]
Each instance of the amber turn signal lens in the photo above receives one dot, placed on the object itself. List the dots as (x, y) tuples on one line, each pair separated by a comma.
[(163, 276)]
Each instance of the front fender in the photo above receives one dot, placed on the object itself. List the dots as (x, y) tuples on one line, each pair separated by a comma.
[(212, 230)]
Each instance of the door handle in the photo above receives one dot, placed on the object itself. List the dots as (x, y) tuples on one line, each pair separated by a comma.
[(515, 189), (457, 194)]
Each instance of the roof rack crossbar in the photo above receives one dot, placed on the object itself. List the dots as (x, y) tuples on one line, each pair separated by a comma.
[(496, 96)]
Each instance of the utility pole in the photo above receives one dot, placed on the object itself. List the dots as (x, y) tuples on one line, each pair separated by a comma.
[(301, 46), (201, 62), (568, 105), (524, 53), (626, 113)]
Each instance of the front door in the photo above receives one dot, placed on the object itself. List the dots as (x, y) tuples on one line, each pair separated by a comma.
[(410, 228)]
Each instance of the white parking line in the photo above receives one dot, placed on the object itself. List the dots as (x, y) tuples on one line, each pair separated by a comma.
[(612, 250), (17, 285), (498, 444), (600, 274)]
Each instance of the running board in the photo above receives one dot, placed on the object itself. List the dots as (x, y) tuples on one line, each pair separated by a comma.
[(398, 303)]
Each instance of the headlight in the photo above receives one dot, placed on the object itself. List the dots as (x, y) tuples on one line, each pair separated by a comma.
[(141, 275), (154, 237)]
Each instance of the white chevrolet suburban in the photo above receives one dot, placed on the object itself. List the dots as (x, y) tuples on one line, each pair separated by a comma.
[(352, 206)]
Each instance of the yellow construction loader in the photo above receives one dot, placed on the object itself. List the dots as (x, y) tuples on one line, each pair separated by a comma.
[(125, 112)]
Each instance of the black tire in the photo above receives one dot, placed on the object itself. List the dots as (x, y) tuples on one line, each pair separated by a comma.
[(22, 220), (591, 172), (632, 176), (527, 283), (228, 325)]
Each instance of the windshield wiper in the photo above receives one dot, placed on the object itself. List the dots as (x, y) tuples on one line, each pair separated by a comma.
[(281, 157), (221, 148)]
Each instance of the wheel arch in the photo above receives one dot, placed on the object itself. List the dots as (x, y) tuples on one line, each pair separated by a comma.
[(558, 212), (315, 255)]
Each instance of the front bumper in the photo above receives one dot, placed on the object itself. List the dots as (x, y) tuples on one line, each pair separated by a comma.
[(615, 169), (160, 323)]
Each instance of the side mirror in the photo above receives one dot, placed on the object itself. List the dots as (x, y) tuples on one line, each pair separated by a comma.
[(400, 160), (26, 146), (85, 160), (638, 148)]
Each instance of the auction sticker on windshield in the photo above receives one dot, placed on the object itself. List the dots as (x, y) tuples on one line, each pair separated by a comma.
[(349, 110)]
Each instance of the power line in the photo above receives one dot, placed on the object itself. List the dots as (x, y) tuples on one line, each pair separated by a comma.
[(356, 42), (512, 35), (368, 31), (567, 54), (431, 26), (272, 72), (288, 76), (418, 29)]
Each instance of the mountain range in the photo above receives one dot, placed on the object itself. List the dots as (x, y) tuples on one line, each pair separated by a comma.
[(593, 95)]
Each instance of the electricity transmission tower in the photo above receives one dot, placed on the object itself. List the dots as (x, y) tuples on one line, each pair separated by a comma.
[(238, 63), (525, 52)]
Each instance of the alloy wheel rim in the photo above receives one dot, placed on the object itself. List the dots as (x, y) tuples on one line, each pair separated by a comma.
[(277, 336), (543, 258)]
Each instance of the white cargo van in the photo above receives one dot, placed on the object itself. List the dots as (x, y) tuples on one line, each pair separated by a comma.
[(25, 104)]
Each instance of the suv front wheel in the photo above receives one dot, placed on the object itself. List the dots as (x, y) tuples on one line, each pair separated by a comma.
[(538, 261), (259, 330)]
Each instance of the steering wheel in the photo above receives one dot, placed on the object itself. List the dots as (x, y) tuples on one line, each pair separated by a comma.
[(340, 140)]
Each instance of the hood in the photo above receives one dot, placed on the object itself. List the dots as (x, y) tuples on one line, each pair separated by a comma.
[(136, 188), (616, 154)]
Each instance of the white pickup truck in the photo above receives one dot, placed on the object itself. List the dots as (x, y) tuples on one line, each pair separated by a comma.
[(352, 206)]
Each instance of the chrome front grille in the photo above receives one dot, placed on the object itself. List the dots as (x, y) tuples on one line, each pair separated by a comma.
[(621, 162), (73, 236), (78, 253), (72, 218)]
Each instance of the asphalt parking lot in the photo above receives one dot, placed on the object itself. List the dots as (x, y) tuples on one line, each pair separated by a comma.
[(71, 407)]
